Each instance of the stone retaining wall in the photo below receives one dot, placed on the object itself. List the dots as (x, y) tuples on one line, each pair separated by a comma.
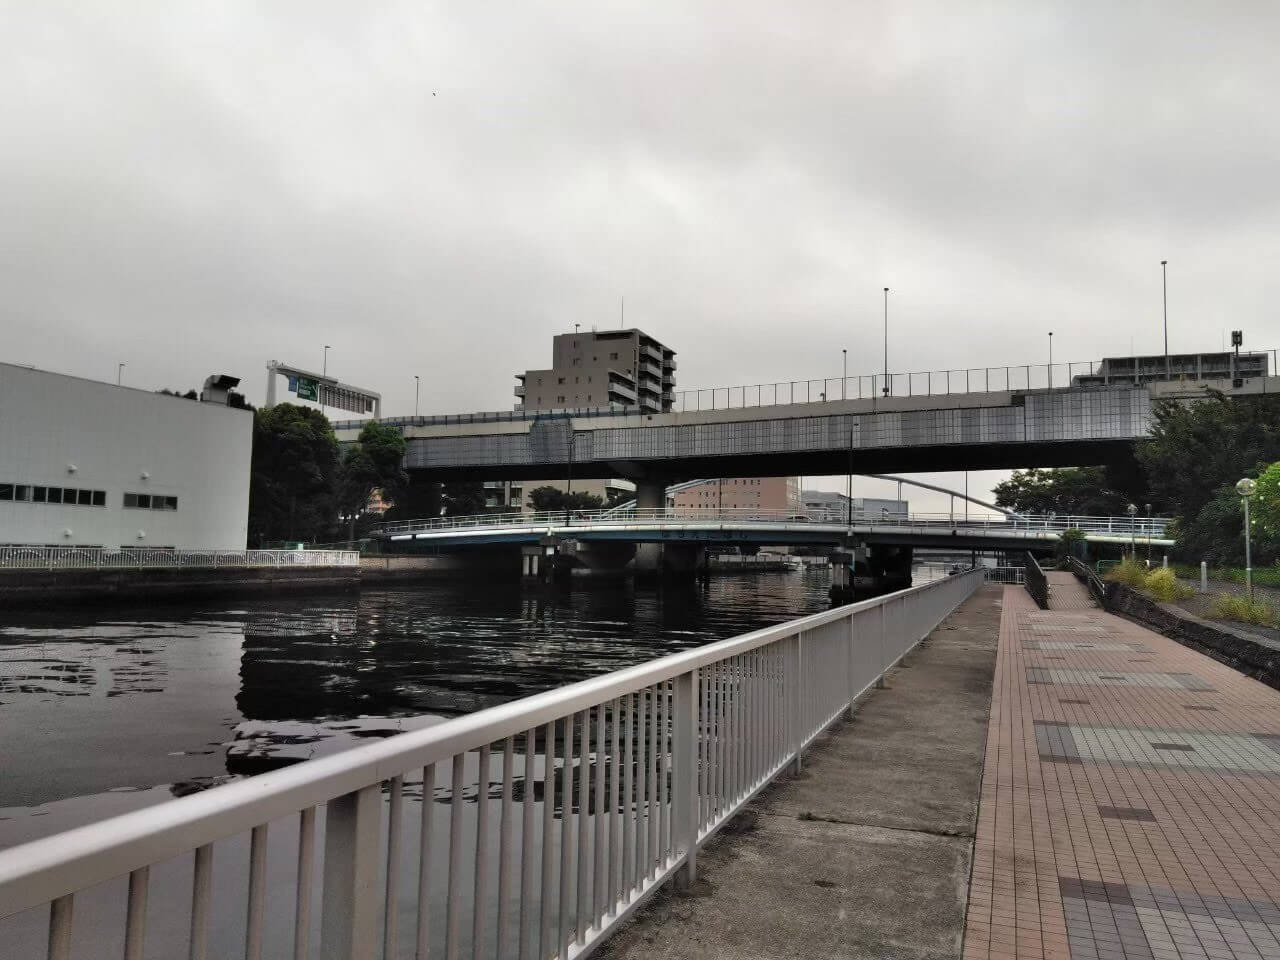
[(1242, 651)]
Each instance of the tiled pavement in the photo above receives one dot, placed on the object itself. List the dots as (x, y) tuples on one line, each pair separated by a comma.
[(1130, 797)]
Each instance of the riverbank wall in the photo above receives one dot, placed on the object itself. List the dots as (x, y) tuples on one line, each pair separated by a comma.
[(52, 589)]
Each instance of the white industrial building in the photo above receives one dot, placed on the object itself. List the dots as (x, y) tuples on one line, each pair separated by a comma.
[(85, 463)]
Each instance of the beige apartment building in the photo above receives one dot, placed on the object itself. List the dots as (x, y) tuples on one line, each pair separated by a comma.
[(613, 369), (739, 493), (596, 369)]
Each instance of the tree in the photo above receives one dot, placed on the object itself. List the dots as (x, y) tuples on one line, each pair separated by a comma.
[(1073, 491), (293, 476), (547, 499), (463, 498), (374, 462), (1195, 454)]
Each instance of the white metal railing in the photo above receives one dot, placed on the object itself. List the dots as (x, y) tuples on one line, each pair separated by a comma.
[(99, 558), (564, 811), (1012, 575), (1138, 527)]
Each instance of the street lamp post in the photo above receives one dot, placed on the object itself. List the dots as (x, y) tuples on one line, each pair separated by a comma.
[(1132, 511), (1148, 536), (119, 372), (416, 383), (324, 370), (1050, 359), (1247, 488), (1164, 287), (887, 381)]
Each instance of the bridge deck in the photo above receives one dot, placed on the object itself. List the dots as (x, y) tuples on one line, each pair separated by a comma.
[(1130, 799)]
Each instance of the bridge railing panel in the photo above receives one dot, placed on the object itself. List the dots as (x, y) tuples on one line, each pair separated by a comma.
[(530, 829)]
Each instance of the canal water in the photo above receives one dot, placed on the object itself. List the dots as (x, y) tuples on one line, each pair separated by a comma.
[(105, 710)]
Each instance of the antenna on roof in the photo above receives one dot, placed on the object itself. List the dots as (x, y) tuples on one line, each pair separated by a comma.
[(622, 316)]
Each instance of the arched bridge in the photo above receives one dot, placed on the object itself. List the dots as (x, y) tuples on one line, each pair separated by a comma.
[(753, 527)]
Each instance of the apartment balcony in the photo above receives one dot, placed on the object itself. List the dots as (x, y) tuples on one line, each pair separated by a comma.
[(669, 361), (519, 390), (649, 351), (653, 369), (622, 389)]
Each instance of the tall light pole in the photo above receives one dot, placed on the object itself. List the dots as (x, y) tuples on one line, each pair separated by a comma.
[(324, 371), (1247, 488), (844, 370), (1050, 359), (886, 342), (416, 384), (1132, 511), (119, 372), (1164, 285)]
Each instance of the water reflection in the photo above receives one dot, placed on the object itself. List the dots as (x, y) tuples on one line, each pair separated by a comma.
[(123, 700)]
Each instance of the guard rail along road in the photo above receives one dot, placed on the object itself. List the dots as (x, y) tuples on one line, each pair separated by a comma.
[(1140, 528), (564, 810), (99, 558)]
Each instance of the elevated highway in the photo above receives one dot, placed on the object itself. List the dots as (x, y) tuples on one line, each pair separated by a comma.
[(936, 432)]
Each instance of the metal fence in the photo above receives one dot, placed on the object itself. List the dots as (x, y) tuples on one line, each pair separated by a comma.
[(1030, 376), (99, 558), (1016, 576), (1140, 528), (540, 825), (1090, 578), (1036, 582)]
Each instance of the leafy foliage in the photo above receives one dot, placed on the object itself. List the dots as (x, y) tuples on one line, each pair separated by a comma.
[(1163, 584), (373, 462), (542, 499), (1130, 571), (1193, 458), (294, 475), (1077, 491), (1238, 607)]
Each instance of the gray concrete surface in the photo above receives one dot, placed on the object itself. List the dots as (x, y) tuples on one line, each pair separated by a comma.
[(867, 852)]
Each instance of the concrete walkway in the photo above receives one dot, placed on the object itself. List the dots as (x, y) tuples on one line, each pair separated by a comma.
[(1130, 798), (866, 853)]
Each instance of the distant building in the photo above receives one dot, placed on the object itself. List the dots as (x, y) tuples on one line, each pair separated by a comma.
[(87, 463), (615, 369), (828, 507), (738, 493), (607, 369), (1181, 366)]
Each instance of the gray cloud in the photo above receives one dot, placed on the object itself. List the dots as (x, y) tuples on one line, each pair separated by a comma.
[(436, 189)]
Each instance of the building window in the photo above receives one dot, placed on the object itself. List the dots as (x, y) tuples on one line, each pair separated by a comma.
[(613, 356), (560, 380), (29, 493), (150, 501)]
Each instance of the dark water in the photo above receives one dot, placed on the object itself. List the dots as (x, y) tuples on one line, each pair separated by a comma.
[(103, 711)]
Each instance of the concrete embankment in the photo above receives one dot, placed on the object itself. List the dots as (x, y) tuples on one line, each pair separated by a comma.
[(867, 852), (56, 588)]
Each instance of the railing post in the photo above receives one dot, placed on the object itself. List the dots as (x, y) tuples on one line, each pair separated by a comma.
[(794, 693), (684, 774), (349, 922), (884, 640)]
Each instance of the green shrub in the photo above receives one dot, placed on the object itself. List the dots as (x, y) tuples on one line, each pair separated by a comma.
[(1130, 571), (1238, 607), (1163, 584)]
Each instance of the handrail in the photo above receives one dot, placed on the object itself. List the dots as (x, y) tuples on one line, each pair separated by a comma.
[(660, 756), (1142, 528), (1036, 582), (1097, 588)]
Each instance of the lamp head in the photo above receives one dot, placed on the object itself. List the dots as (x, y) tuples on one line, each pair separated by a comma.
[(1247, 487)]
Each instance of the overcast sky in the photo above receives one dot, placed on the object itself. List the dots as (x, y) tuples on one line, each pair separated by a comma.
[(436, 189)]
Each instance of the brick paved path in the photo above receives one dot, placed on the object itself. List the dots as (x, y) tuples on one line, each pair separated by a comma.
[(1130, 796)]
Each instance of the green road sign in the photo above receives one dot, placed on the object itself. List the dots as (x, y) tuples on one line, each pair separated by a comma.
[(308, 389)]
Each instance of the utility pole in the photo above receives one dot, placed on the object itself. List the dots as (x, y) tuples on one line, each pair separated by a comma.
[(1164, 285), (119, 372), (416, 384), (887, 381)]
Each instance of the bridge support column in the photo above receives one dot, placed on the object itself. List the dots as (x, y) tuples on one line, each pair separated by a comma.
[(650, 495), (841, 591)]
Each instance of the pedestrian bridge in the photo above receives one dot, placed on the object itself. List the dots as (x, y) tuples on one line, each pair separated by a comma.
[(768, 527)]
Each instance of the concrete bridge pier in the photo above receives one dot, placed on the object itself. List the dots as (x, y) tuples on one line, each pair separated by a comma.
[(841, 591), (650, 494)]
